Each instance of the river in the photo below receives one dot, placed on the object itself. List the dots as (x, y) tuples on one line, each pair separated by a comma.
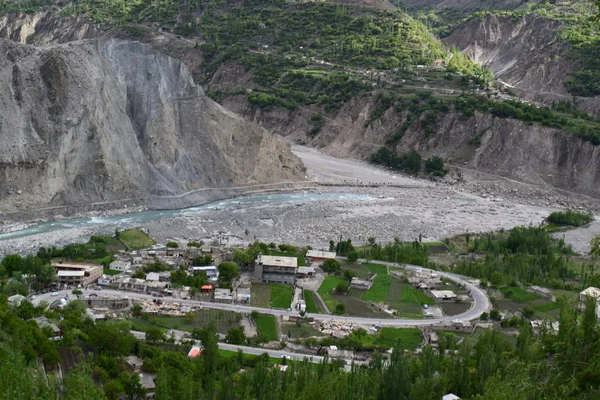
[(157, 215)]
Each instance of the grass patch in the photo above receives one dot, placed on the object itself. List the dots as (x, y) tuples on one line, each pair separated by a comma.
[(300, 257), (518, 294), (311, 302), (247, 358), (281, 295), (379, 291), (357, 308), (329, 283), (406, 300), (224, 320), (266, 325), (546, 307), (136, 239), (108, 271), (414, 296), (570, 218), (260, 295), (410, 338), (378, 269), (294, 331)]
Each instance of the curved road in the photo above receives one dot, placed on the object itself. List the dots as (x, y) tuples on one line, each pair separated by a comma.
[(481, 303)]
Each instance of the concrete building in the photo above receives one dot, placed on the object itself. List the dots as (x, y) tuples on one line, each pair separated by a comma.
[(77, 274), (276, 269), (16, 300), (586, 294), (43, 322), (443, 295), (317, 256), (360, 284), (106, 280), (119, 265), (450, 396), (134, 363), (304, 272), (223, 296), (544, 292), (212, 273)]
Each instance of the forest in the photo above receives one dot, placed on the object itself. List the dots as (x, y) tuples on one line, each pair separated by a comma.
[(543, 365)]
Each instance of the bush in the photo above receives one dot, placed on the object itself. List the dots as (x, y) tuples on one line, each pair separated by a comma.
[(435, 166), (342, 288), (331, 266), (570, 217), (340, 309), (172, 245)]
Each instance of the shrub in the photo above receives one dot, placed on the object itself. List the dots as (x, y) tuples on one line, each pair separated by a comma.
[(570, 217), (331, 266)]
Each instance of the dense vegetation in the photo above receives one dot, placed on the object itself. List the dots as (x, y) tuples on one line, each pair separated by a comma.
[(547, 366), (570, 217), (526, 256)]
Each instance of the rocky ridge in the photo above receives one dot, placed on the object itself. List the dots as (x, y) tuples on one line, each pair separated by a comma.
[(106, 120)]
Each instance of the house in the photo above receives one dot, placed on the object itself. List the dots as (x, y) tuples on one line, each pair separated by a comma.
[(304, 272), (147, 381), (153, 276), (361, 284), (43, 322), (243, 295), (106, 280), (72, 274), (317, 256), (443, 295), (223, 296), (119, 265), (549, 326), (212, 273), (16, 300), (544, 292), (195, 351), (586, 294), (450, 396), (134, 363), (276, 269)]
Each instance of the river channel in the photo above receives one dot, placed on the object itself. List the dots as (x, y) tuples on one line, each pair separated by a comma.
[(157, 215)]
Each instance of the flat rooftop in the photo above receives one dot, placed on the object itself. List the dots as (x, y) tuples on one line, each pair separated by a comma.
[(443, 294), (278, 261), (84, 267), (320, 254), (70, 273)]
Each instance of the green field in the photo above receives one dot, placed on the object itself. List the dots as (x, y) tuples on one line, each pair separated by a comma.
[(281, 295), (224, 320), (136, 239), (294, 331), (379, 269), (108, 271), (379, 291), (518, 294), (410, 338), (260, 295), (311, 302), (267, 326), (329, 283), (300, 257), (406, 299)]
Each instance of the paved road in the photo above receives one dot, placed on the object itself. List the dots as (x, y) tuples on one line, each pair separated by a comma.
[(481, 303)]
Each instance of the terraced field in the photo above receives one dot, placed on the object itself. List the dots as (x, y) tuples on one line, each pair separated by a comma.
[(357, 308), (455, 308)]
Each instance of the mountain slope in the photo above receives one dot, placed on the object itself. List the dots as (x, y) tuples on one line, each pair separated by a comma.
[(106, 120)]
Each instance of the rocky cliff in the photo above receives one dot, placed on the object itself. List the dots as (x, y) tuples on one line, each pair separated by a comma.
[(507, 147), (525, 53), (104, 120)]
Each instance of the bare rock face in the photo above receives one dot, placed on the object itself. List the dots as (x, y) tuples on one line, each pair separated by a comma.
[(104, 120), (526, 54)]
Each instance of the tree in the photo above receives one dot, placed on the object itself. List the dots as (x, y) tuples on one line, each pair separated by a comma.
[(331, 266), (495, 315), (132, 386), (154, 334), (352, 256), (331, 245), (348, 274), (340, 309), (228, 271), (342, 288), (236, 335), (372, 240), (136, 310), (595, 245), (172, 245), (484, 316)]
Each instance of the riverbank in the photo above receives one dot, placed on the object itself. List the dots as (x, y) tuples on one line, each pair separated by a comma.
[(398, 206)]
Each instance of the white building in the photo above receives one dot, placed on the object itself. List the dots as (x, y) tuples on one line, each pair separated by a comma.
[(319, 256), (450, 396), (586, 294), (122, 266), (443, 295)]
